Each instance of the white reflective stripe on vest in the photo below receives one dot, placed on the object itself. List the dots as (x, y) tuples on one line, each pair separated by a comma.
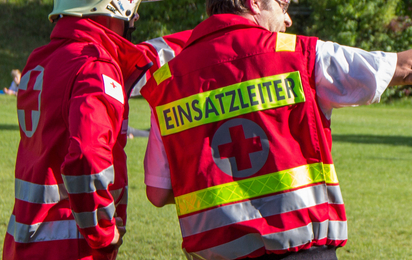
[(164, 51), (255, 209), (335, 195), (247, 244), (39, 194), (51, 194), (89, 183), (91, 219), (46, 231)]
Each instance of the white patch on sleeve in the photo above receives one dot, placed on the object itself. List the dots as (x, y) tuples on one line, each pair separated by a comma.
[(113, 88)]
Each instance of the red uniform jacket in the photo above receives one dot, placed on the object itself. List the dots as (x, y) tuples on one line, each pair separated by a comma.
[(71, 176), (248, 148), (161, 50)]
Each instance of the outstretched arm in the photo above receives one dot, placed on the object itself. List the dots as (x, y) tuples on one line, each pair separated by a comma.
[(403, 72)]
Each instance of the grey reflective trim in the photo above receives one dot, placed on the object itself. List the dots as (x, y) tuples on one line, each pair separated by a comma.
[(335, 195), (46, 231), (247, 244), (125, 196), (295, 237), (89, 183), (117, 193), (165, 53), (242, 246), (253, 209), (39, 194), (338, 230), (139, 85), (91, 219)]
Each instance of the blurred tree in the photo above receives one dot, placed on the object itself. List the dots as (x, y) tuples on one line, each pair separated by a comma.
[(371, 25), (168, 16)]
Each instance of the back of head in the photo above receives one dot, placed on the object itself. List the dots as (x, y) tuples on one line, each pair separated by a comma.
[(226, 7), (15, 73), (121, 9)]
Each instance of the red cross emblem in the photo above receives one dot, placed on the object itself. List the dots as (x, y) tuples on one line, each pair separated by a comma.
[(240, 148), (28, 100)]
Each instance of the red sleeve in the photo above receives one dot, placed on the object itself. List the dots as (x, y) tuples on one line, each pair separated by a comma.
[(174, 42), (95, 117)]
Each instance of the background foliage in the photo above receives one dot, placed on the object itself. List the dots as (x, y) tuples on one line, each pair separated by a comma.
[(371, 25), (372, 152), (368, 24)]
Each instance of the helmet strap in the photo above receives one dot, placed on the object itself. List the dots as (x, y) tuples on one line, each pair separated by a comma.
[(127, 34)]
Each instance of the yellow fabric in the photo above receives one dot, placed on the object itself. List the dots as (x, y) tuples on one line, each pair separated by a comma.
[(162, 74), (229, 101), (255, 187), (285, 42)]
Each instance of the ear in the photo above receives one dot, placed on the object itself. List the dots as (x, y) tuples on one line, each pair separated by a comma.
[(253, 6)]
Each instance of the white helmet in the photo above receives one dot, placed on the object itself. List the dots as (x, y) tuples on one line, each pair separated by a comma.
[(121, 9)]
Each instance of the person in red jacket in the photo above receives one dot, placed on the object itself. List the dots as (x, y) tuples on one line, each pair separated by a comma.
[(241, 139), (71, 177)]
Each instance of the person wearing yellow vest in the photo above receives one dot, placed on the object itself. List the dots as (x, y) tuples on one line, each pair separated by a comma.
[(241, 138)]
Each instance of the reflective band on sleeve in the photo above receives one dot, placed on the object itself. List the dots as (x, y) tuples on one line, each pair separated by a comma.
[(89, 183), (230, 101), (285, 42), (252, 187), (120, 192), (39, 194), (164, 51), (162, 74), (91, 219), (45, 231)]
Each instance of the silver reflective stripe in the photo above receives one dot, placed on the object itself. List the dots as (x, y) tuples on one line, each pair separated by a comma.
[(253, 209), (46, 231), (117, 193), (334, 195), (164, 51), (296, 237), (39, 194), (138, 86), (338, 230), (91, 219), (247, 244), (89, 183)]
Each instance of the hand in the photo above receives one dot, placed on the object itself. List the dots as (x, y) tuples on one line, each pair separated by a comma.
[(119, 232)]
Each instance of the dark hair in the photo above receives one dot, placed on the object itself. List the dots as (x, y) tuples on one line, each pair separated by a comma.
[(230, 6), (225, 7)]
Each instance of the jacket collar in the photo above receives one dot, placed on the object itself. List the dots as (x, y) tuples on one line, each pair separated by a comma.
[(126, 54), (220, 22)]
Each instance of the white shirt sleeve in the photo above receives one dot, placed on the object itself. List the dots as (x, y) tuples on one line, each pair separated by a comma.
[(347, 76), (156, 166)]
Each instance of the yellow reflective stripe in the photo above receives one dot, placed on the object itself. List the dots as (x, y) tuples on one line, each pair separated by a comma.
[(254, 187), (162, 74), (230, 101), (285, 42), (332, 177)]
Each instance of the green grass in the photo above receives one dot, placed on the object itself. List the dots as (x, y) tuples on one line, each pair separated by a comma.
[(372, 151)]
